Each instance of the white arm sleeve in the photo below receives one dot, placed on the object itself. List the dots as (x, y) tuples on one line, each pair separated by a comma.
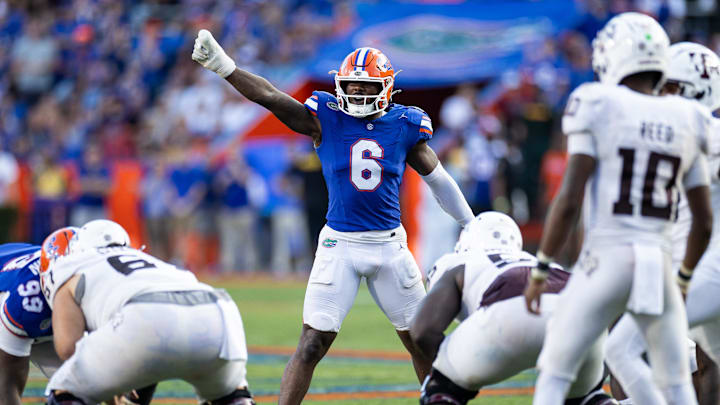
[(698, 174), (581, 143), (448, 195)]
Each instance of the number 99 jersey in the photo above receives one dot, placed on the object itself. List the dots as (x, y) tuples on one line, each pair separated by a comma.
[(363, 162), (111, 276), (23, 310), (645, 147)]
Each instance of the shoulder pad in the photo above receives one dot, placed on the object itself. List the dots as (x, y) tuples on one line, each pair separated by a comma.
[(415, 114), (321, 100), (446, 262), (584, 107)]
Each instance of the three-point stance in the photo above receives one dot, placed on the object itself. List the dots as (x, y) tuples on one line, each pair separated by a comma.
[(481, 285), (364, 142)]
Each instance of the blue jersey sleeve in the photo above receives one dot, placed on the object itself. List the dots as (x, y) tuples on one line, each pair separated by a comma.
[(322, 105), (420, 125)]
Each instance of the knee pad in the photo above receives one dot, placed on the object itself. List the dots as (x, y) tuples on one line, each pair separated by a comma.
[(237, 397), (438, 389), (65, 398)]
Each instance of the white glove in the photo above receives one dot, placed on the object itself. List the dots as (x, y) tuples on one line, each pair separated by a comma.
[(210, 54)]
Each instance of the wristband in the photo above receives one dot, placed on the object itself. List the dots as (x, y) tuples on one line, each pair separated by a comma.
[(542, 270), (683, 278)]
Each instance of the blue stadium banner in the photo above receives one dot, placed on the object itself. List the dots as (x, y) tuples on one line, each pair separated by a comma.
[(444, 44)]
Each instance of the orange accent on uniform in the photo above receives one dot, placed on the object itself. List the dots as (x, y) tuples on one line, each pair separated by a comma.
[(10, 318), (427, 131)]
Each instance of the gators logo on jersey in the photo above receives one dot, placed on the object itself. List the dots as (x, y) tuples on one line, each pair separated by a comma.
[(329, 243)]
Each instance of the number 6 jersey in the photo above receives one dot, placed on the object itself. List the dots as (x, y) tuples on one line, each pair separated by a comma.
[(111, 276), (363, 162), (645, 147)]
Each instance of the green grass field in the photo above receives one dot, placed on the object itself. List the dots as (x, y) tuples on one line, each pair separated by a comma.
[(366, 364)]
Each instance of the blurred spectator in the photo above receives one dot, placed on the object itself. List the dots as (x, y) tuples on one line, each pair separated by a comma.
[(458, 111), (553, 167), (290, 243), (50, 191), (236, 217), (34, 57), (307, 168), (9, 174), (93, 178), (157, 194), (189, 179)]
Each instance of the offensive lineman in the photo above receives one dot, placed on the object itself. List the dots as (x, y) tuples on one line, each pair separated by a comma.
[(147, 320), (364, 142), (633, 150), (481, 285), (694, 73)]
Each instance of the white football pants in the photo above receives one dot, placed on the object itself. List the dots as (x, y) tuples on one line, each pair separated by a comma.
[(145, 343)]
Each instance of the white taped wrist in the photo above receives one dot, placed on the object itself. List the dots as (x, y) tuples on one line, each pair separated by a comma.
[(226, 66), (448, 195)]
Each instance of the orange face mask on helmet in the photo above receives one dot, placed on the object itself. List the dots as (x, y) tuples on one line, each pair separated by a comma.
[(364, 65), (57, 244)]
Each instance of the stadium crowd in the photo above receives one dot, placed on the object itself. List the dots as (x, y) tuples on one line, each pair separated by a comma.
[(91, 85)]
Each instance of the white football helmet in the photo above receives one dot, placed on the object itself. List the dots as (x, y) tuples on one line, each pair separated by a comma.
[(102, 233), (490, 230), (696, 69), (630, 43)]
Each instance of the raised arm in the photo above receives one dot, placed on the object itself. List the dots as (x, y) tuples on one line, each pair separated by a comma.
[(291, 112)]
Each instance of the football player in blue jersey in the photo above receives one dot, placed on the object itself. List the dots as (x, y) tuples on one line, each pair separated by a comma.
[(26, 331), (363, 141)]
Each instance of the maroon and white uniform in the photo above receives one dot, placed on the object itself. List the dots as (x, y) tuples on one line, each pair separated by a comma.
[(497, 337)]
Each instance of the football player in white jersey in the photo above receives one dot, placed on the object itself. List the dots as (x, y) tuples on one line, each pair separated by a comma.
[(481, 285), (147, 321), (630, 150), (694, 73)]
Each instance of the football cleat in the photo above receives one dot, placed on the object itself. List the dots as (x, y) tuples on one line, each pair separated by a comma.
[(364, 65)]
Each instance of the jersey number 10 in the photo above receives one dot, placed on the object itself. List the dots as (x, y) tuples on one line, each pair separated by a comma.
[(648, 207)]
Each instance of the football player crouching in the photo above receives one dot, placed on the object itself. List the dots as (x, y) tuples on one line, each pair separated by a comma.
[(148, 321), (481, 284), (26, 331)]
